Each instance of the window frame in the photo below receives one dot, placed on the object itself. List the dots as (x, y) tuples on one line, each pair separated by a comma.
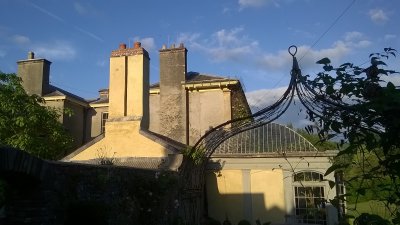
[(103, 122), (312, 184)]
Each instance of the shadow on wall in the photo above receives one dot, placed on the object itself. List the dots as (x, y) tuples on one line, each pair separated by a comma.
[(240, 207), (88, 126)]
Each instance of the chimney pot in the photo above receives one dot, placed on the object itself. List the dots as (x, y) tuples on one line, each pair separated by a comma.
[(164, 47), (137, 44), (173, 46), (122, 46), (181, 45), (31, 55)]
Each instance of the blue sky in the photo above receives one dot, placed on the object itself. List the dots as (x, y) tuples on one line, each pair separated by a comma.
[(246, 39)]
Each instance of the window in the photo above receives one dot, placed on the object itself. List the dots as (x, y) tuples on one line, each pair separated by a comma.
[(104, 117), (309, 195), (308, 176)]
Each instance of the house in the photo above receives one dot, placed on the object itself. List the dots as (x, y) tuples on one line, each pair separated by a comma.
[(269, 174)]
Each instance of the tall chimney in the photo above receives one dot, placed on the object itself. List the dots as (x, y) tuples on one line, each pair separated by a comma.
[(129, 84), (173, 69), (35, 74)]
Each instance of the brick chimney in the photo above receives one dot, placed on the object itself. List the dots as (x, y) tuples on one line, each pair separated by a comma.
[(35, 74)]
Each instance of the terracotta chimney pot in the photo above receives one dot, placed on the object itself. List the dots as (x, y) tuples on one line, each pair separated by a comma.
[(122, 46), (137, 44)]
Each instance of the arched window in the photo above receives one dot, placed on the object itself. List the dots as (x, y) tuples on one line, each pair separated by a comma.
[(309, 196), (308, 176)]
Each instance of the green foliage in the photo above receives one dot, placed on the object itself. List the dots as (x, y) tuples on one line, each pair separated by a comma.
[(364, 114), (371, 207), (28, 125), (316, 141), (196, 155), (370, 219)]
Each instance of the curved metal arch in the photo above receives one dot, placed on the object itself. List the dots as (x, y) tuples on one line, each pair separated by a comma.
[(316, 104), (215, 136), (265, 139)]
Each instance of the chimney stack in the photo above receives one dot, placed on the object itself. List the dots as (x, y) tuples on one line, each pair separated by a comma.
[(129, 83), (35, 74), (173, 64)]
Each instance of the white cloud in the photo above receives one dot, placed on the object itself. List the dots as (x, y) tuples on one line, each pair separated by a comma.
[(378, 16), (20, 39), (148, 43), (264, 97), (308, 56), (58, 50), (362, 44), (230, 37), (226, 10), (233, 53), (79, 8), (394, 78), (356, 39), (2, 53), (223, 45), (282, 59), (353, 35), (190, 38), (295, 114), (85, 9)]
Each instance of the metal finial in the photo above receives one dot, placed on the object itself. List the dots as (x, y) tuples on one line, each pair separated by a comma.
[(292, 50)]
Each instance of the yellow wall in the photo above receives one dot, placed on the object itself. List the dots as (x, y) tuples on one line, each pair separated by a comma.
[(117, 93), (224, 195), (135, 88), (123, 140), (93, 122), (271, 207), (228, 197), (206, 109)]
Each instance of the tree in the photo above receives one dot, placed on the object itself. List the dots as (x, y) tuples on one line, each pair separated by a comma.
[(26, 123), (364, 113), (315, 140)]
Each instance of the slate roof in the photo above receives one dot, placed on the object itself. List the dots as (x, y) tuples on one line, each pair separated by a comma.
[(99, 101), (195, 77), (56, 91), (152, 163), (191, 77)]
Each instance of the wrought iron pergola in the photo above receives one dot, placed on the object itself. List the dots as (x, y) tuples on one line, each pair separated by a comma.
[(298, 86)]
